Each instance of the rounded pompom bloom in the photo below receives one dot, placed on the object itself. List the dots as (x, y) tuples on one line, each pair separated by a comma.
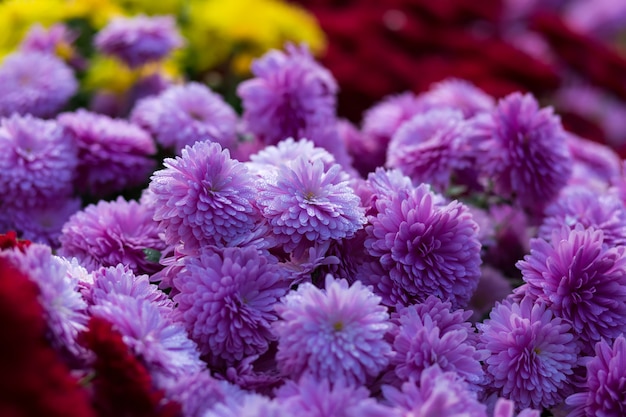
[(426, 246), (524, 151), (162, 345), (380, 123), (65, 309), (436, 336), (140, 39), (113, 153), (113, 232), (313, 398), (37, 163), (578, 205), (121, 280), (457, 95), (306, 203), (35, 83), (334, 334), (203, 197), (290, 95), (429, 147), (286, 152), (604, 392), (531, 353), (185, 114), (226, 301), (438, 393), (581, 281)]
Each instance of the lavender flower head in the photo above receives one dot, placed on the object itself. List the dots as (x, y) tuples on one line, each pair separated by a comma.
[(63, 305), (185, 114), (35, 83), (422, 342), (286, 152), (604, 391), (523, 150), (140, 39), (458, 95), (312, 398), (55, 40), (581, 280), (37, 162), (580, 205), (43, 223), (305, 203), (121, 280), (251, 405), (429, 147), (226, 301), (161, 344), (113, 153), (290, 95), (531, 353), (113, 232), (382, 121), (334, 334), (203, 197), (426, 246), (199, 392), (596, 160), (438, 393)]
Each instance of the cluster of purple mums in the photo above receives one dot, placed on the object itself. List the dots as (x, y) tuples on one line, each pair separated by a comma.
[(287, 263)]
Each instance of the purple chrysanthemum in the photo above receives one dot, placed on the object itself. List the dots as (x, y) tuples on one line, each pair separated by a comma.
[(199, 392), (458, 95), (35, 83), (226, 301), (286, 152), (380, 123), (113, 232), (290, 96), (43, 223), (334, 334), (506, 408), (581, 280), (604, 393), (63, 305), (37, 163), (121, 280), (185, 114), (595, 159), (204, 197), (426, 246), (438, 393), (523, 151), (305, 203), (313, 398), (428, 336), (429, 147), (599, 210), (250, 405), (113, 153), (140, 39), (161, 344), (531, 353)]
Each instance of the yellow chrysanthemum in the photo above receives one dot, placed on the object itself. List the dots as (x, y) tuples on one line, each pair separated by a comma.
[(220, 30), (109, 74), (97, 12), (151, 7)]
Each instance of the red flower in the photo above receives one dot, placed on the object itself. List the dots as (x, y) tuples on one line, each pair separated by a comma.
[(35, 381), (122, 386)]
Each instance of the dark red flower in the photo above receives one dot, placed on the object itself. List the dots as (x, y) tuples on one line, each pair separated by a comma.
[(122, 386), (35, 381)]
